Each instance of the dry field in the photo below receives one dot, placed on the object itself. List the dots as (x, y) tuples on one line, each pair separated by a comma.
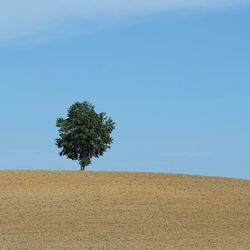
[(102, 210)]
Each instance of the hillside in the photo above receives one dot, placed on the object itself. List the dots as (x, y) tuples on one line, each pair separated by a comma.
[(108, 210)]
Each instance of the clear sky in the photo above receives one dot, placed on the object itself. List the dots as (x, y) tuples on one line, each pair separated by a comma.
[(174, 76)]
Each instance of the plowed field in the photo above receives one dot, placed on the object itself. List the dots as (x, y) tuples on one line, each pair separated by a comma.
[(111, 210)]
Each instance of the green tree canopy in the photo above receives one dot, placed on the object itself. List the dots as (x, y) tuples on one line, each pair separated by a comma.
[(84, 133)]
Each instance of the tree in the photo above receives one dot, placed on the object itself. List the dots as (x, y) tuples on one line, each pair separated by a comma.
[(84, 133)]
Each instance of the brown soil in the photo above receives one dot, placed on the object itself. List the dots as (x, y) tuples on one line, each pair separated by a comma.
[(107, 210)]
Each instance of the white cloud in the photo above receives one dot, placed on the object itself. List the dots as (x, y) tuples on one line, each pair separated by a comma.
[(24, 17)]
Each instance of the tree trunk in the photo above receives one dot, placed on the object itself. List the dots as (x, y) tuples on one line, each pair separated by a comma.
[(84, 162)]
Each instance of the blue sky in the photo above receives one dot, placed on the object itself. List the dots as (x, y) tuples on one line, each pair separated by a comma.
[(175, 78)]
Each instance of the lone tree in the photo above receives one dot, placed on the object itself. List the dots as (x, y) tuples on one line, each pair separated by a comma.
[(84, 134)]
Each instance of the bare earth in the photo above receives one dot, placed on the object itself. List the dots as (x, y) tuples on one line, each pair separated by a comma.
[(106, 210)]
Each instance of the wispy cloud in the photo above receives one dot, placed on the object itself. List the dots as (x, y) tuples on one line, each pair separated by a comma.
[(188, 155), (20, 18)]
